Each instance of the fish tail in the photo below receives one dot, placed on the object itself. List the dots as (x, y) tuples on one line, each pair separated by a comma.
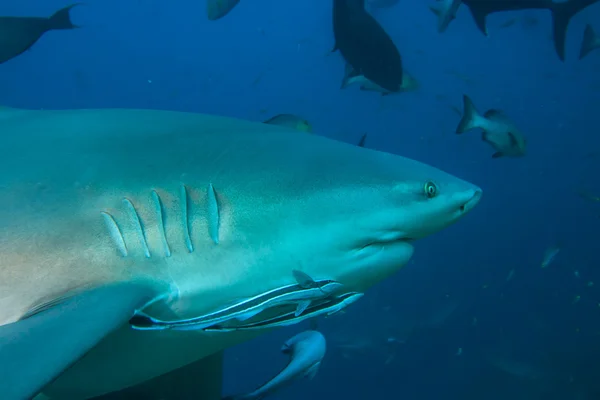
[(62, 18), (470, 116), (590, 41), (561, 16)]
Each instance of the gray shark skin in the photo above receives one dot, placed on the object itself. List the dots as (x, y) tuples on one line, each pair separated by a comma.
[(112, 211), (562, 12), (306, 351)]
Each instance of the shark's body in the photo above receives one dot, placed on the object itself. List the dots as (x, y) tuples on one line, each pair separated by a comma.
[(104, 210), (562, 12)]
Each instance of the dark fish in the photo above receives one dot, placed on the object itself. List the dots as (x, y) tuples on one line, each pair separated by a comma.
[(561, 14), (216, 9), (365, 45), (18, 34)]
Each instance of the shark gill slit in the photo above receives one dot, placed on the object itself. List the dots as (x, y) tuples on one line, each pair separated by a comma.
[(161, 222), (213, 213), (135, 218), (186, 220), (115, 233)]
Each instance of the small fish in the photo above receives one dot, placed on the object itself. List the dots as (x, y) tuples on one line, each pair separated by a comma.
[(590, 41), (20, 33), (216, 9), (549, 256), (510, 275), (446, 12), (352, 77), (290, 121), (498, 130), (306, 351)]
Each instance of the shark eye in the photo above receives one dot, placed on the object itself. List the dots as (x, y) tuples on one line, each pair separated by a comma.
[(430, 190)]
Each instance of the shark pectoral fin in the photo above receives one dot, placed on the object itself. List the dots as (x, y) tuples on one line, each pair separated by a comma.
[(497, 155), (302, 306), (312, 371), (35, 350)]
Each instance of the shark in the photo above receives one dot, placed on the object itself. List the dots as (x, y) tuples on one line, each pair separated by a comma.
[(562, 12), (109, 213)]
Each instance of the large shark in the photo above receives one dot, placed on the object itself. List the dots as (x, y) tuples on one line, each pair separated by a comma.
[(562, 12), (108, 212)]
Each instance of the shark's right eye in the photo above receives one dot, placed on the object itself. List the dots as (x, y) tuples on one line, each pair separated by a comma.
[(430, 189)]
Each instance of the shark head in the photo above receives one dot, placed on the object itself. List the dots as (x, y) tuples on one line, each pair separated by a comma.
[(360, 227)]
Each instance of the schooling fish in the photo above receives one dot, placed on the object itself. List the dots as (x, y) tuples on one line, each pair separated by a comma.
[(498, 130), (18, 34), (365, 45), (306, 351)]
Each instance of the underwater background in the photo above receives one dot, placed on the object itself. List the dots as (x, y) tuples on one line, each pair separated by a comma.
[(474, 315)]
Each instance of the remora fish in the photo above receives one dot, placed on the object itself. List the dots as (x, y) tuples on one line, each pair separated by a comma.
[(176, 215), (216, 9), (299, 295), (365, 45), (590, 41), (562, 12), (352, 77), (306, 351), (20, 33), (498, 130)]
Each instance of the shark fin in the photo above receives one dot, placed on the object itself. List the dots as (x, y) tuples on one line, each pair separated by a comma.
[(312, 371), (480, 19), (361, 142), (497, 155), (55, 337), (590, 41), (562, 12)]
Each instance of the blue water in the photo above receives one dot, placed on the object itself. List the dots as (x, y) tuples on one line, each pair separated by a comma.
[(268, 57)]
